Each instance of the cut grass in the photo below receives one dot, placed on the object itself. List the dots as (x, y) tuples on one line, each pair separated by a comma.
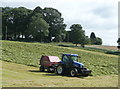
[(30, 53), (18, 75)]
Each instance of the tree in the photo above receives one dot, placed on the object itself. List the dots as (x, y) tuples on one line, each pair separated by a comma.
[(29, 19), (19, 16), (76, 27), (38, 28), (92, 36), (14, 22), (98, 41), (38, 10), (118, 41), (17, 20), (77, 34), (67, 36), (87, 40), (7, 23), (57, 27), (95, 40), (0, 23)]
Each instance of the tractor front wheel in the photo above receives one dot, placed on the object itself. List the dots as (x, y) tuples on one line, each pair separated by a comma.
[(73, 72)]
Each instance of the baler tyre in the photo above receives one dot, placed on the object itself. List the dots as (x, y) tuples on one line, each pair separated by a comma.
[(51, 69), (60, 70), (42, 69), (73, 72)]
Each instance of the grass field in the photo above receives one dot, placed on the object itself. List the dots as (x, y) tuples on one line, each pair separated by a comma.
[(26, 76), (19, 54), (30, 53)]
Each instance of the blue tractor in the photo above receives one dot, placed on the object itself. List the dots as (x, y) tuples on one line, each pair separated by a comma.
[(69, 65)]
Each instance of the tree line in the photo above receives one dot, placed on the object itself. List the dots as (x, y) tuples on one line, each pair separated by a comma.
[(42, 25)]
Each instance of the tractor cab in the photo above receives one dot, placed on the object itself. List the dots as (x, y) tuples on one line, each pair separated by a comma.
[(71, 60)]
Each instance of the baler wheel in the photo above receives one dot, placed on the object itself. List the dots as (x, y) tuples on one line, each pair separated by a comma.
[(42, 69)]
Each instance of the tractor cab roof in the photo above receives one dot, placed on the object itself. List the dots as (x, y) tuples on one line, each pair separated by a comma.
[(76, 55)]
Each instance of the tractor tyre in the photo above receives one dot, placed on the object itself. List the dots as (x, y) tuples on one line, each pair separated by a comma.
[(73, 72), (60, 70), (42, 69)]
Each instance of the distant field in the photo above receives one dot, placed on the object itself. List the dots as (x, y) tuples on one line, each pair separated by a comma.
[(103, 47), (30, 53), (18, 75), (114, 48), (95, 48)]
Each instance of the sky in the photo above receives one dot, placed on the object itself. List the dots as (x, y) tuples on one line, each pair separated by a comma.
[(98, 16)]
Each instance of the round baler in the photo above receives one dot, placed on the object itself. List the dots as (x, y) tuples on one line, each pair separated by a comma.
[(49, 63)]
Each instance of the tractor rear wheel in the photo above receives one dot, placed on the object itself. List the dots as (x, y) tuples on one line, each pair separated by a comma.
[(60, 70), (42, 69), (73, 72)]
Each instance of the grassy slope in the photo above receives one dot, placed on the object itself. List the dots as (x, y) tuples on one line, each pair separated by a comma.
[(18, 75), (29, 54)]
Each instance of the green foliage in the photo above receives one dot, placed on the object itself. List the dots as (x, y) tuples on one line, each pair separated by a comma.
[(98, 41), (37, 10), (92, 35), (118, 40), (18, 22), (92, 38), (77, 34), (57, 27), (87, 40), (95, 40), (38, 28), (30, 53), (6, 22), (14, 22)]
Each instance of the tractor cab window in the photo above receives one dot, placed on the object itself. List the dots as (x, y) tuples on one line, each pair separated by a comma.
[(74, 58), (65, 58), (70, 58)]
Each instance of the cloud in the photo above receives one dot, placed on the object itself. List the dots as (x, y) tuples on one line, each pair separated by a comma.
[(105, 11)]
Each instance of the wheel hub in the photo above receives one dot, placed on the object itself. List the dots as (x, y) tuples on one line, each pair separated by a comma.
[(72, 73), (59, 69)]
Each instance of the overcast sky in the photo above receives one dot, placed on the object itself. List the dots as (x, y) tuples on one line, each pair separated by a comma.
[(98, 16)]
